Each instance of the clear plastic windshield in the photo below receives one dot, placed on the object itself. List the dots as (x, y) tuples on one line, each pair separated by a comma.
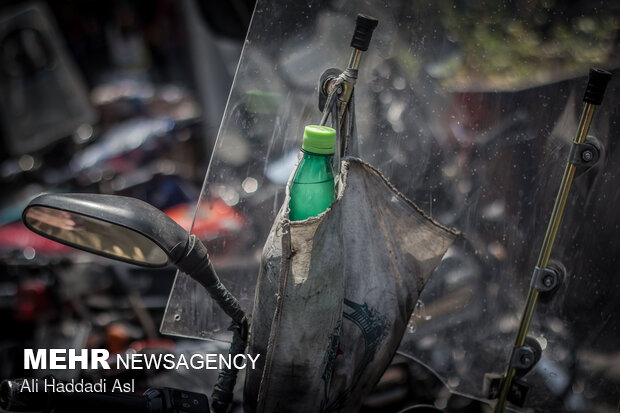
[(470, 111)]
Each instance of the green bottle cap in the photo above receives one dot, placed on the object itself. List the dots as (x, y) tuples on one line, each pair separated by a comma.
[(319, 139)]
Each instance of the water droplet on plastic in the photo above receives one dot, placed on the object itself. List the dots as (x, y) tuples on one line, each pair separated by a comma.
[(411, 326), (29, 253), (249, 185), (453, 382), (26, 162)]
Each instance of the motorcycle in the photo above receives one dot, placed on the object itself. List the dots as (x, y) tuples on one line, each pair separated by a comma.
[(486, 144), (477, 143)]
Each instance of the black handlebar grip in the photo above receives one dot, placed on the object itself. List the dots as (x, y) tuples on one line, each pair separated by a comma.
[(364, 26), (597, 83), (13, 399)]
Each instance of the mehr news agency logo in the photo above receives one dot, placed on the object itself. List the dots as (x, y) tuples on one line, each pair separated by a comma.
[(63, 359)]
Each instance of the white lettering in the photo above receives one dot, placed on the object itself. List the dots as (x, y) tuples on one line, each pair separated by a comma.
[(122, 359), (32, 362), (225, 361), (169, 361), (210, 361), (98, 358), (253, 361), (244, 363), (60, 359), (57, 359), (152, 360), (26, 385), (49, 386), (119, 386), (135, 362), (72, 359), (182, 361), (82, 358), (200, 365)]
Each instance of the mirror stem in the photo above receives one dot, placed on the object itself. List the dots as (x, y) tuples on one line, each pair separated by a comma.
[(197, 265)]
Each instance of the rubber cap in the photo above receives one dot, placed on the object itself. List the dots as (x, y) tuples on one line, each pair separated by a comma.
[(364, 26), (597, 83), (319, 139)]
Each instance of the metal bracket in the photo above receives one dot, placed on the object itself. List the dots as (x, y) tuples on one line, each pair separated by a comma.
[(586, 154), (516, 395), (523, 358), (545, 279), (326, 78)]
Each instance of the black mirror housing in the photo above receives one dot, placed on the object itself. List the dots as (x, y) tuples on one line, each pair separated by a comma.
[(104, 224)]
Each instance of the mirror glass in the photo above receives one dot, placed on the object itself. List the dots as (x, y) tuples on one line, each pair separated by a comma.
[(93, 235)]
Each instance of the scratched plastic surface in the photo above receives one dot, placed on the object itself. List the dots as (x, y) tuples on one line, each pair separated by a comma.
[(469, 111)]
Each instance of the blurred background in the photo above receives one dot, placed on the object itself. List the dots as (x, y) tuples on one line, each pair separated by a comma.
[(121, 97), (473, 106)]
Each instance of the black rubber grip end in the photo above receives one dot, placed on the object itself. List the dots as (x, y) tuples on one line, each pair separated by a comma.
[(364, 26), (597, 83)]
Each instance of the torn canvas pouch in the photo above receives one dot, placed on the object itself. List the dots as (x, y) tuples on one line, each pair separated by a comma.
[(335, 294)]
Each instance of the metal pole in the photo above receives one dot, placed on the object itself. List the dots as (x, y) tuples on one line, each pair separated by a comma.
[(594, 95), (364, 27), (350, 77)]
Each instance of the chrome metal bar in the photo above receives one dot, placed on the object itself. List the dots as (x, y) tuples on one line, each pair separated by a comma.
[(354, 61), (545, 252)]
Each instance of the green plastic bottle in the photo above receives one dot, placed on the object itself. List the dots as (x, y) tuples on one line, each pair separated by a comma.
[(312, 189)]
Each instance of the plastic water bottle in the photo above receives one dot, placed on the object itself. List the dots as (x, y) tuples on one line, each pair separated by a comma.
[(312, 189)]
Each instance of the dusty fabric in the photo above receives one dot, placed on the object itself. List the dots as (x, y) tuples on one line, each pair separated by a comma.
[(335, 294)]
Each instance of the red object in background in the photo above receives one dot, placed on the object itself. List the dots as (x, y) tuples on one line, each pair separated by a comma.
[(15, 236), (32, 302), (117, 338), (158, 343), (214, 219)]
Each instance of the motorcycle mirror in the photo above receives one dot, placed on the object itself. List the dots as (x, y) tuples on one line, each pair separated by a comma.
[(127, 229), (117, 227)]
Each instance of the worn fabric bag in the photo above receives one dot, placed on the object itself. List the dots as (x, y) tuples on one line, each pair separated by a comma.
[(335, 294)]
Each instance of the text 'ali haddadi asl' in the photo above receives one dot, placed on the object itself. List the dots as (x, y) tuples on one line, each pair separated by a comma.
[(62, 359), (51, 385)]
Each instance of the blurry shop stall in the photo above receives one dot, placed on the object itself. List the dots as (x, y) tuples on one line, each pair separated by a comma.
[(117, 97)]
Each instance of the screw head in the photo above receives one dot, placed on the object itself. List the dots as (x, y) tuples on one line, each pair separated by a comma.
[(587, 155), (548, 281), (526, 359)]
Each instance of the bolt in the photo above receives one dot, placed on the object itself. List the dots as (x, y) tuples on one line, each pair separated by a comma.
[(587, 155), (548, 280), (526, 359)]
